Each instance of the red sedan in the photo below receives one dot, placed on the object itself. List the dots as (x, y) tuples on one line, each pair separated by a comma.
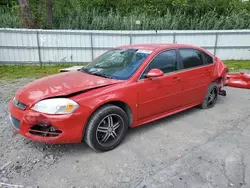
[(125, 87)]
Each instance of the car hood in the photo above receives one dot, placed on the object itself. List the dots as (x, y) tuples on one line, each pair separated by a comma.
[(60, 85)]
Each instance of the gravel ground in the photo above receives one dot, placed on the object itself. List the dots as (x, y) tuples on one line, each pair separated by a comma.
[(195, 148)]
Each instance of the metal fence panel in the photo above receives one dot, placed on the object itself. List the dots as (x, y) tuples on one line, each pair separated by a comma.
[(64, 40), (18, 47), (199, 39), (110, 41), (76, 46), (147, 39), (242, 54), (236, 39), (65, 55), (96, 53), (211, 50)]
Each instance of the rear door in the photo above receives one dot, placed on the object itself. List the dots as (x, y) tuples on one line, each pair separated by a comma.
[(159, 95), (196, 73)]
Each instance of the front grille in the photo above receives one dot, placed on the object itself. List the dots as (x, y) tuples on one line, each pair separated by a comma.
[(45, 131), (19, 104), (15, 122)]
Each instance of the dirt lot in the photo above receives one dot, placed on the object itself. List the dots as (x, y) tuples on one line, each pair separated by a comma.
[(195, 148)]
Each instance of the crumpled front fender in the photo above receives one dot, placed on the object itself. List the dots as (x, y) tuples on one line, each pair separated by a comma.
[(239, 80)]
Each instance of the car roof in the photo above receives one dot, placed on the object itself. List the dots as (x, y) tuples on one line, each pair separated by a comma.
[(157, 46)]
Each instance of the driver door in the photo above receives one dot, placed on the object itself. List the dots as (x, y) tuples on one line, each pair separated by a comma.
[(159, 95)]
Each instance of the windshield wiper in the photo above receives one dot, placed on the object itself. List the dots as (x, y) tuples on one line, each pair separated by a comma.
[(84, 70), (101, 74), (96, 73)]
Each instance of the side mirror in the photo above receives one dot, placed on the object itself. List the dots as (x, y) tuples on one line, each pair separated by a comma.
[(154, 73)]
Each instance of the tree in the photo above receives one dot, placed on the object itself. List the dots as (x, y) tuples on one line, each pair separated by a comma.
[(49, 14), (32, 14), (27, 15)]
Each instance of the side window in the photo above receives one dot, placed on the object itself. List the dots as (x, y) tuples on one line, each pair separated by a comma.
[(165, 61), (208, 59), (190, 58)]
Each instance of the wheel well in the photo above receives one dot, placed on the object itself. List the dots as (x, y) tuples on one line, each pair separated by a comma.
[(125, 107), (218, 80)]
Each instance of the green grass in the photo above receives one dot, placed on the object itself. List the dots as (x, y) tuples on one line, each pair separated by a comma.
[(35, 71), (235, 66), (28, 71)]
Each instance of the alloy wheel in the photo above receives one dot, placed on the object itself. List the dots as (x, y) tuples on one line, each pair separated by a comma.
[(212, 97), (109, 129)]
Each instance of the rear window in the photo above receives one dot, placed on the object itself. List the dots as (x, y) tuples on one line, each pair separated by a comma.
[(208, 59), (191, 58)]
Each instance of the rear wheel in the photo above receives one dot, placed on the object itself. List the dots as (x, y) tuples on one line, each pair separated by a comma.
[(106, 128), (211, 96)]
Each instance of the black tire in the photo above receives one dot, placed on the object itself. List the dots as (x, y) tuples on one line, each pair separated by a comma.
[(99, 128), (211, 97)]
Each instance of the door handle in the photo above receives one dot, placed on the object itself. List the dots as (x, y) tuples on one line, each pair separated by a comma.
[(176, 79)]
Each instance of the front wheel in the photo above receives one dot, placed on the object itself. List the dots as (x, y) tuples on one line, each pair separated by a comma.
[(211, 96), (106, 128)]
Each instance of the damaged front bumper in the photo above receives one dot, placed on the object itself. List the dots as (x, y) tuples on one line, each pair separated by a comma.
[(238, 80), (46, 128)]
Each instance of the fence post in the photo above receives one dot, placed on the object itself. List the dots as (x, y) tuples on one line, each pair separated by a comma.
[(174, 35), (92, 48), (38, 47), (216, 43), (130, 38)]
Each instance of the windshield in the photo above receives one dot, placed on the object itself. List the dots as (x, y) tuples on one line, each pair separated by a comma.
[(118, 64)]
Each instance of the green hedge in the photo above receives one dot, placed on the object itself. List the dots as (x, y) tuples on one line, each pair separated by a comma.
[(122, 14)]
